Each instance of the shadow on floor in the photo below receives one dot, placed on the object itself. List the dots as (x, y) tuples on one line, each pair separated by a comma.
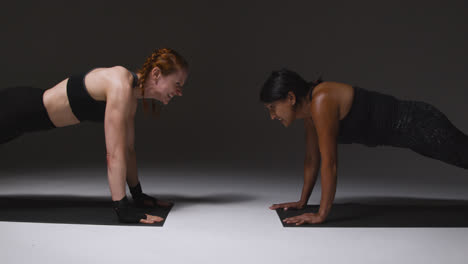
[(92, 210), (65, 210), (389, 212)]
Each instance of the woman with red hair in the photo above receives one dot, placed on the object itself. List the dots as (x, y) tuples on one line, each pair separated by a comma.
[(108, 95)]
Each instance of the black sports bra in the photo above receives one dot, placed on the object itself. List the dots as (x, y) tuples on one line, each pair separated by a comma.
[(83, 106)]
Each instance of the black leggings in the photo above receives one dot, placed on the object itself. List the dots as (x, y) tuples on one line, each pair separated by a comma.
[(22, 110), (424, 129)]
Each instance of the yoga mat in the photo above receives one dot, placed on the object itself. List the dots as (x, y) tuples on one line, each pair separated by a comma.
[(448, 214), (66, 210)]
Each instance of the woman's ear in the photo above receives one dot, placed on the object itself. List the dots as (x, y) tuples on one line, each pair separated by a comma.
[(291, 98), (156, 72)]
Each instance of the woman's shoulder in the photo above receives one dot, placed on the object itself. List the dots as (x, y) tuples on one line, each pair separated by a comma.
[(119, 69), (330, 85), (329, 93), (323, 90), (117, 73), (330, 89), (111, 73), (117, 77), (332, 96), (109, 80)]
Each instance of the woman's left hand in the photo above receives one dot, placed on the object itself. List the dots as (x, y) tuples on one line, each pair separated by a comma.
[(307, 218)]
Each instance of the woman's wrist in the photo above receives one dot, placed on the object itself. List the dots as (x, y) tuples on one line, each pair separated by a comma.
[(323, 212), (136, 190)]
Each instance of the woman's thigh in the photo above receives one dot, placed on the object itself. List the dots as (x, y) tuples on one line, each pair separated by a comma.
[(424, 129)]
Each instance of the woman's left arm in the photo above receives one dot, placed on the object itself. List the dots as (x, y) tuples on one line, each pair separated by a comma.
[(139, 197), (132, 171)]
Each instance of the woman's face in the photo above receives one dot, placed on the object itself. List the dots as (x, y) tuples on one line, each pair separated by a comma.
[(283, 109), (164, 87)]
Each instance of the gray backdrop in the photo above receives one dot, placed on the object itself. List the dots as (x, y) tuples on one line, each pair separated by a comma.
[(412, 50)]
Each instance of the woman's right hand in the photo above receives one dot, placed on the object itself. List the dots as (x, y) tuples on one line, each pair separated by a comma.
[(286, 206), (151, 219)]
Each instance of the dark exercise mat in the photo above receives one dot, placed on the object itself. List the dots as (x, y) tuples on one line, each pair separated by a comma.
[(66, 210), (426, 213)]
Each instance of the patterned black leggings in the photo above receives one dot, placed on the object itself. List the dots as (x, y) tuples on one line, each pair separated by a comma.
[(427, 131)]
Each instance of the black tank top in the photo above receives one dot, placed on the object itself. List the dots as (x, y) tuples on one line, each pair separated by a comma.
[(83, 106), (370, 118)]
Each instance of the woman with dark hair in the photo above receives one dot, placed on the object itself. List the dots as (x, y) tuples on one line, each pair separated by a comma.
[(336, 112), (108, 95)]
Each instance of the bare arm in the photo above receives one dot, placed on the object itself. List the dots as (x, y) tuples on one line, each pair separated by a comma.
[(132, 171), (117, 116), (311, 161), (311, 168), (325, 114)]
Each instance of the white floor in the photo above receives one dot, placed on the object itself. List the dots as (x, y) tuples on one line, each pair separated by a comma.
[(223, 217)]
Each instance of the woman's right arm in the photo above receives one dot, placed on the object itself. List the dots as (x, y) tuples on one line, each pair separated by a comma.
[(118, 116), (311, 161)]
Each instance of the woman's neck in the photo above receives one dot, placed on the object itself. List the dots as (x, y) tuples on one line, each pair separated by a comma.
[(137, 90), (303, 110)]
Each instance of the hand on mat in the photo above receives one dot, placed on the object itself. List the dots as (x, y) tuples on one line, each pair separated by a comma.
[(151, 219), (127, 213), (286, 206), (308, 218)]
